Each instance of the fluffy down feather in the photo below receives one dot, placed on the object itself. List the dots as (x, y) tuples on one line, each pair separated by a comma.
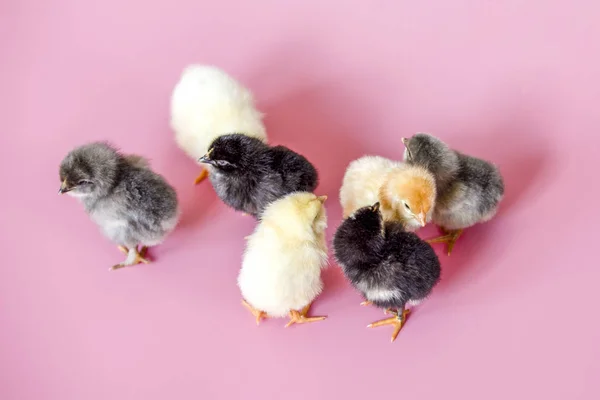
[(131, 204), (389, 266), (406, 193), (281, 270), (248, 174), (469, 189), (207, 103)]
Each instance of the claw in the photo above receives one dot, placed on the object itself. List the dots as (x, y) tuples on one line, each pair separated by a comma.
[(137, 258), (299, 317), (257, 313), (398, 320), (202, 176), (450, 238)]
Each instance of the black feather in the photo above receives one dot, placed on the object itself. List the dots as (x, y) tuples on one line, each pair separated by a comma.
[(248, 174), (376, 258)]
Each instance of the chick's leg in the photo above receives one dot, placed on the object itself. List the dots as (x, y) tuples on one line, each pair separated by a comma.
[(450, 237), (397, 320), (299, 317), (257, 313), (133, 257), (366, 303), (203, 175)]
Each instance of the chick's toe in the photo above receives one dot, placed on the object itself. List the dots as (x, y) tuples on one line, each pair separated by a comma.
[(299, 317), (450, 238), (133, 257), (397, 320), (256, 312), (202, 176)]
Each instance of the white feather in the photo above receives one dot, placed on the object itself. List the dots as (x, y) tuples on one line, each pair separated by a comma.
[(281, 270), (207, 103), (362, 181), (374, 293)]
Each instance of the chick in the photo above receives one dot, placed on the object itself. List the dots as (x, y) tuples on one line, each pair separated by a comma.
[(469, 190), (406, 193), (248, 174), (281, 270), (132, 205), (207, 103), (389, 266)]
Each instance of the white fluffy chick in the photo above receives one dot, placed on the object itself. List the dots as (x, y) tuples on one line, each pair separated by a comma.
[(406, 193), (207, 103), (281, 270)]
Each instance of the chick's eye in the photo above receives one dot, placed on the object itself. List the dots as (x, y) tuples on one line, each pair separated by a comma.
[(83, 182), (407, 206)]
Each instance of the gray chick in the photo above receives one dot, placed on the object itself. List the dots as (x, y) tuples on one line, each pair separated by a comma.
[(132, 205), (469, 189)]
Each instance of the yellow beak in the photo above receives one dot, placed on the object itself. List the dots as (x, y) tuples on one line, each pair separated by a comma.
[(322, 199), (63, 187), (423, 219)]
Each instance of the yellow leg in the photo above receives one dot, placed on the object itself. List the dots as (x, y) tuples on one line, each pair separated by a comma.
[(257, 313), (450, 237), (203, 175), (299, 317), (366, 303), (397, 320), (139, 258)]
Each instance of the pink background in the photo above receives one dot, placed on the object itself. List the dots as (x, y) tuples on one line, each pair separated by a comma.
[(516, 313)]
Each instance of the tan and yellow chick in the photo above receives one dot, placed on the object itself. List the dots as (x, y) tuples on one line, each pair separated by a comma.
[(406, 193)]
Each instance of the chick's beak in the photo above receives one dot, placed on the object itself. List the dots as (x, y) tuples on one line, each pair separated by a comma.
[(375, 207), (204, 159), (423, 219), (63, 187), (405, 141), (322, 199)]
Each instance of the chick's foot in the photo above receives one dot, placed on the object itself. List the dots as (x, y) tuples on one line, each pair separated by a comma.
[(133, 257), (299, 317), (450, 237), (256, 312), (203, 175), (397, 320), (366, 303)]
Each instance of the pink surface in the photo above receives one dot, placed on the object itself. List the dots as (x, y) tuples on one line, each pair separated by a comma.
[(516, 313)]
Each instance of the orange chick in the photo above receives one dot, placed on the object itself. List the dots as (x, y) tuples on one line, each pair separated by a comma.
[(406, 193)]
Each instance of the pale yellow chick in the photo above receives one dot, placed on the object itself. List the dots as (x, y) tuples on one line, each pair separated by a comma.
[(208, 103), (406, 193), (281, 270)]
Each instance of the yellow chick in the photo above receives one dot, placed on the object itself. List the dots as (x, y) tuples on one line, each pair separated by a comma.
[(406, 193), (281, 270), (207, 103)]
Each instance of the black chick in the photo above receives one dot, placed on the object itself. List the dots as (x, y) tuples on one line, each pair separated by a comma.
[(248, 174), (389, 266)]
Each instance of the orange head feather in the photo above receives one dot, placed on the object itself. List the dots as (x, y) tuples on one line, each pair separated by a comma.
[(410, 192)]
